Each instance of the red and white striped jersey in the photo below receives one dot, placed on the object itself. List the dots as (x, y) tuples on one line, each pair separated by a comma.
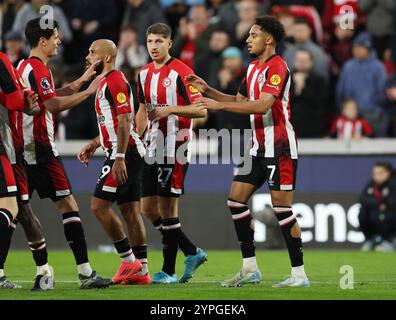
[(160, 88), (11, 107), (38, 130), (273, 132), (344, 128), (114, 97)]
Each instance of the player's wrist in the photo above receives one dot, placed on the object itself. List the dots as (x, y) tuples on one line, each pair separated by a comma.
[(119, 156)]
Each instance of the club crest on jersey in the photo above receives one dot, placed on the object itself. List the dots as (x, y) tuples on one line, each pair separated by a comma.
[(45, 83), (260, 78), (275, 79), (121, 97), (167, 82)]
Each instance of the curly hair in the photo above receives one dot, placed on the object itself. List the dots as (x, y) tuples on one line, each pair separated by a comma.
[(271, 25)]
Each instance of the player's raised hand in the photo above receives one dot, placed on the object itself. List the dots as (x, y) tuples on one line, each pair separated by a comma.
[(86, 153), (211, 104), (119, 171), (158, 114), (95, 84), (90, 72), (197, 82)]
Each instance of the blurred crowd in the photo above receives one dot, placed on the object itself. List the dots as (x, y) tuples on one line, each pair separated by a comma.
[(342, 54)]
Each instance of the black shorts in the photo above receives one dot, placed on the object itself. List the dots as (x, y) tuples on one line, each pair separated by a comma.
[(280, 172), (48, 177), (107, 188), (8, 187), (164, 180)]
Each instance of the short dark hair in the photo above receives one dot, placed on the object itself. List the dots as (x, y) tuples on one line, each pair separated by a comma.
[(271, 25), (386, 165), (33, 31), (161, 29)]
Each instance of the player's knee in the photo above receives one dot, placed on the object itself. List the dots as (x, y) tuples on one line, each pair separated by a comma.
[(295, 231), (97, 207), (150, 213), (25, 214), (131, 214), (67, 204)]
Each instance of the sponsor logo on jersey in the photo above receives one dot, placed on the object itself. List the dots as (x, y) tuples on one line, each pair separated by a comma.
[(100, 94), (167, 82), (260, 78), (274, 87), (121, 97), (193, 89), (275, 79), (151, 106)]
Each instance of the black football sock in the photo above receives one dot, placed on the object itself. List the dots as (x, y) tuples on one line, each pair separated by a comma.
[(124, 250), (75, 237), (294, 245), (39, 251), (170, 241), (6, 243), (185, 244), (243, 226)]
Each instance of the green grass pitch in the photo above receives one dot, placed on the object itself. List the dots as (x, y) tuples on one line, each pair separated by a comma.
[(374, 277)]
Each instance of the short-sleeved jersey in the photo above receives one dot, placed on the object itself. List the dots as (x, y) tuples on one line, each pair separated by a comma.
[(11, 107), (114, 97), (164, 87), (38, 130), (344, 128), (272, 133)]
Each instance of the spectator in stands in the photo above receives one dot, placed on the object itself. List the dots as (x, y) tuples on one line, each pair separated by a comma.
[(13, 44), (142, 13), (88, 23), (31, 11), (318, 4), (173, 11), (192, 39), (130, 52), (229, 79), (363, 78), (380, 22), (377, 216), (302, 36), (8, 11), (309, 96), (229, 15), (302, 11), (247, 12), (340, 48), (350, 126), (207, 66), (287, 19), (390, 103)]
